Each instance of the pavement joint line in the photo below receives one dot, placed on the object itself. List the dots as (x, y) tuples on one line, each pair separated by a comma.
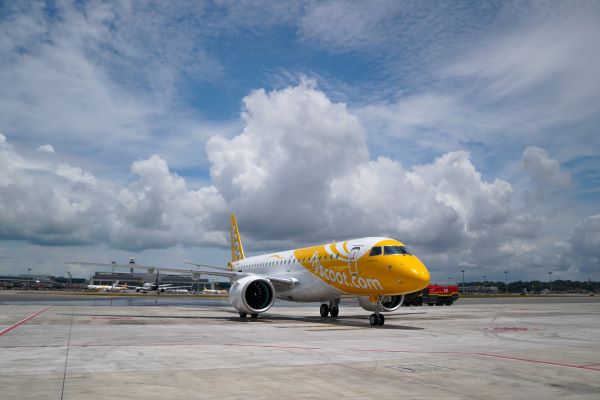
[(21, 322), (62, 391)]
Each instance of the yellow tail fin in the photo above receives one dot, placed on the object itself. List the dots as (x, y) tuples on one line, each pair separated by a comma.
[(237, 250)]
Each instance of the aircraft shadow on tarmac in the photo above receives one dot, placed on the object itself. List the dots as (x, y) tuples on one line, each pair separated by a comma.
[(353, 321)]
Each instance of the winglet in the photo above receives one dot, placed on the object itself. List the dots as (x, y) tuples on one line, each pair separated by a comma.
[(237, 250)]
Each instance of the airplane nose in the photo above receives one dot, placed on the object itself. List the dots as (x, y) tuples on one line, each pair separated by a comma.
[(419, 274)]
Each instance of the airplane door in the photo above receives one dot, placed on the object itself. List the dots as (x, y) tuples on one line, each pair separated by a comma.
[(353, 260)]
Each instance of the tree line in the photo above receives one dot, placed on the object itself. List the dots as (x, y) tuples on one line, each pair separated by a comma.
[(558, 286)]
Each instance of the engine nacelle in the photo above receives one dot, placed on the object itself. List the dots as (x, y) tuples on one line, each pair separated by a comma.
[(389, 303), (252, 294)]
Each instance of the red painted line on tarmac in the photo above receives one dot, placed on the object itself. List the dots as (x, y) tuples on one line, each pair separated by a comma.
[(536, 361), (10, 328), (271, 346), (459, 353)]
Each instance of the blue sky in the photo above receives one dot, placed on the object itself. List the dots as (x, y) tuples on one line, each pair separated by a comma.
[(467, 130)]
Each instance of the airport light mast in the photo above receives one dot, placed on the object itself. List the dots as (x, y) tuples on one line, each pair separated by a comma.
[(463, 279), (550, 279), (506, 280), (484, 276)]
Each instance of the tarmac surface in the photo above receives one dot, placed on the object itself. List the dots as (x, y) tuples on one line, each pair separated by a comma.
[(53, 347)]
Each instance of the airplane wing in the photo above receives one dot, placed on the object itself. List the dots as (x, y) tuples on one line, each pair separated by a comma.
[(193, 272), (228, 273)]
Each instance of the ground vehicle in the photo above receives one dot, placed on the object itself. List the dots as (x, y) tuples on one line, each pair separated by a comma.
[(433, 295)]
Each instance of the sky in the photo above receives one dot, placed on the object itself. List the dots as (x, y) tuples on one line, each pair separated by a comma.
[(468, 130)]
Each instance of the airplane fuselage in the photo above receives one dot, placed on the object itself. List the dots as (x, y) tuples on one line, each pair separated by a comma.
[(341, 268)]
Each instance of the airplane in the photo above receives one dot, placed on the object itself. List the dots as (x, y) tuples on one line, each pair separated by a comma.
[(213, 291), (109, 288), (378, 271), (149, 286)]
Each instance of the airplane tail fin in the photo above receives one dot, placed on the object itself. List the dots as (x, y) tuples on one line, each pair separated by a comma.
[(237, 250)]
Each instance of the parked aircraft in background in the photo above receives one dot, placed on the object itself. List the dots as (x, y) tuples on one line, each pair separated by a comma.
[(109, 288), (213, 291), (376, 270), (156, 287)]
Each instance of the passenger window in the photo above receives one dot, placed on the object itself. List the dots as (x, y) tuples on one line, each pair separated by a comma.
[(375, 251)]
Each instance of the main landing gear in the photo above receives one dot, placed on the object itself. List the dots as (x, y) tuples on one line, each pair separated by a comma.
[(332, 309)]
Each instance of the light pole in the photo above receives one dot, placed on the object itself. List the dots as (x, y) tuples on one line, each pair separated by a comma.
[(550, 275), (506, 280), (70, 280), (463, 276), (28, 278), (483, 283)]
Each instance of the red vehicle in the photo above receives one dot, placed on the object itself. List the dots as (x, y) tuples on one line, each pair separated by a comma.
[(438, 295)]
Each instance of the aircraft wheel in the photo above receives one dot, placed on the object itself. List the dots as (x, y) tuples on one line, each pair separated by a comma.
[(334, 311), (324, 310), (373, 320), (254, 315), (380, 320), (243, 315)]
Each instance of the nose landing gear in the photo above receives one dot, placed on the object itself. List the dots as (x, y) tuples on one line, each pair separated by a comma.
[(377, 319)]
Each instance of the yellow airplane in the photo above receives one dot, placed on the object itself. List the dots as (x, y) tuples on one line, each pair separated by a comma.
[(376, 270)]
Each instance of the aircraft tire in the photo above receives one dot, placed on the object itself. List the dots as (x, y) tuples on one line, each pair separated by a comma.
[(373, 320), (334, 311), (324, 310), (380, 320), (243, 315)]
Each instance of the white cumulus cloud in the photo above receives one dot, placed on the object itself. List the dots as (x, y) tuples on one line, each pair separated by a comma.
[(295, 142), (298, 172), (544, 169), (46, 148)]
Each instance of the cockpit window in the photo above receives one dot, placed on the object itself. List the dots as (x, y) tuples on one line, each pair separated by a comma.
[(390, 250), (375, 251)]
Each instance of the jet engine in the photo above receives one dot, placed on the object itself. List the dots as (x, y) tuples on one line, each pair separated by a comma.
[(252, 294), (388, 303)]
